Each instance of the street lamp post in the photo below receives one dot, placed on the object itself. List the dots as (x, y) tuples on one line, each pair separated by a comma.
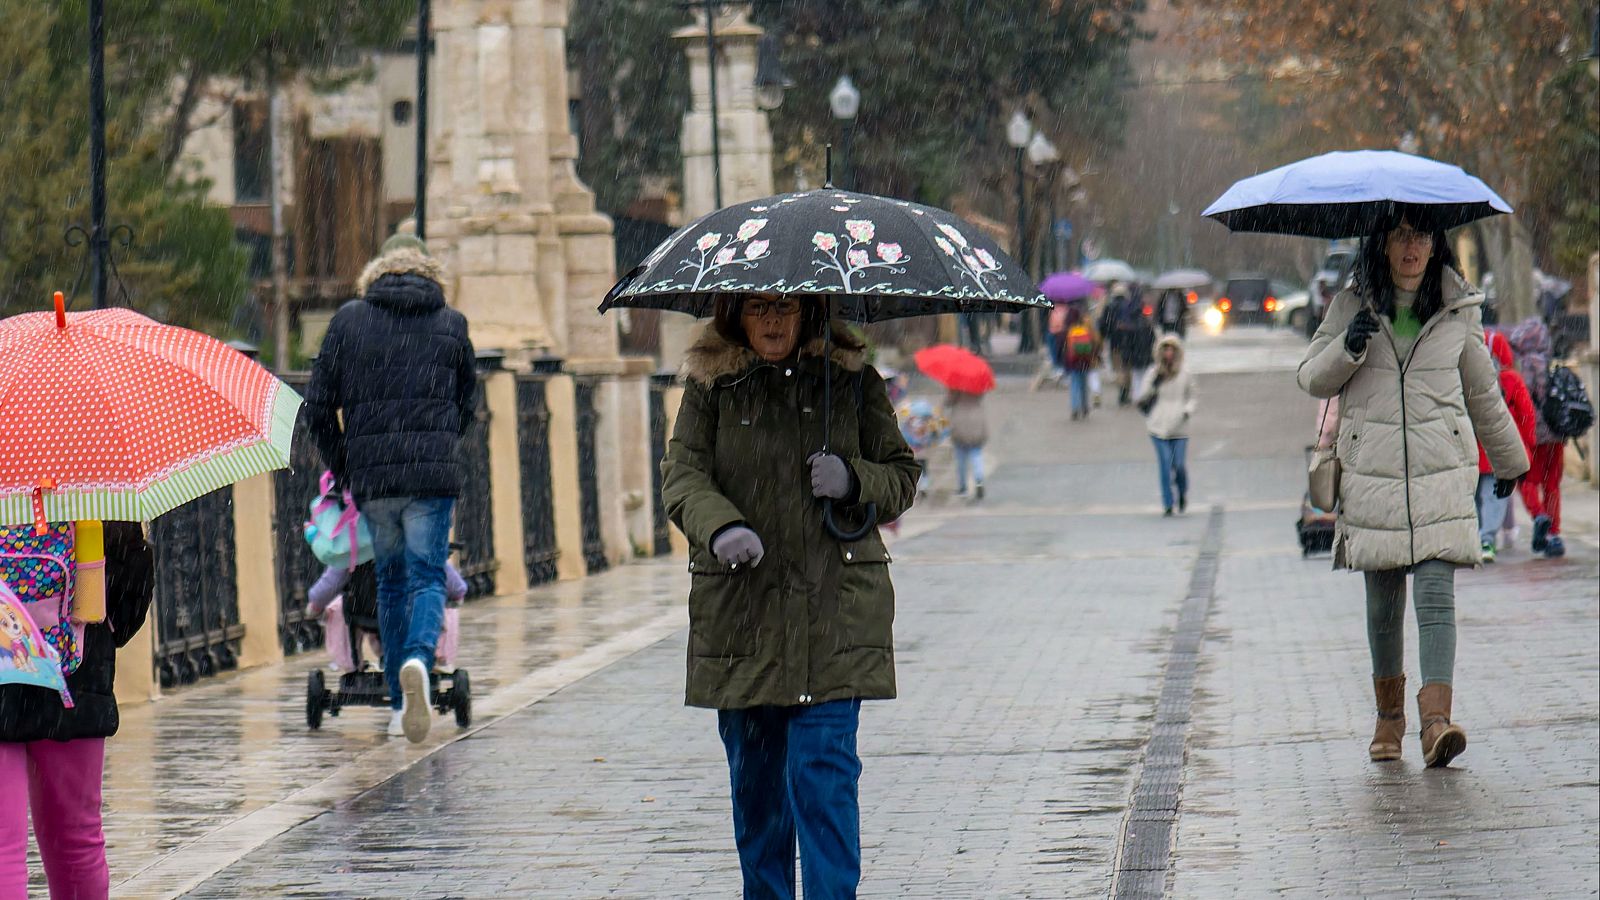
[(844, 101), (1044, 157), (770, 81), (424, 26), (99, 241), (1019, 132)]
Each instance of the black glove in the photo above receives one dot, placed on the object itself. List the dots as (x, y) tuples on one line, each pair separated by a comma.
[(830, 476), (1504, 486), (738, 545), (1361, 329)]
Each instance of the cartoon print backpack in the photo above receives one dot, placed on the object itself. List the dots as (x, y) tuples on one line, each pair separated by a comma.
[(37, 572)]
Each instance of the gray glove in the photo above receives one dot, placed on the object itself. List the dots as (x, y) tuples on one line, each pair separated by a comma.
[(830, 476), (738, 545)]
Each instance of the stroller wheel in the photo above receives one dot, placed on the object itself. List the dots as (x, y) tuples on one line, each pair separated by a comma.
[(316, 698), (461, 698)]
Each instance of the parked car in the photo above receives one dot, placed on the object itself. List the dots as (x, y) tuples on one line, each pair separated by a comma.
[(1293, 309), (1247, 299), (1327, 283)]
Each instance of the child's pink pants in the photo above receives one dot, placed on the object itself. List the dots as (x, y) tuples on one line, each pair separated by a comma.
[(63, 788)]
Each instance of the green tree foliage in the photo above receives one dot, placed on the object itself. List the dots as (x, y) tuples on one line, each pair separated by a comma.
[(1564, 203), (183, 265), (939, 79)]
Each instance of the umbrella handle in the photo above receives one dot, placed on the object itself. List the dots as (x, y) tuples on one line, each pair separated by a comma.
[(839, 533)]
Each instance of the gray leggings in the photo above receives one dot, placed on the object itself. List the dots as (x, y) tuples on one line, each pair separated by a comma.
[(1434, 590)]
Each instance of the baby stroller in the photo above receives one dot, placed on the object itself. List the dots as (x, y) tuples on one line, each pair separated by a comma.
[(363, 684), (1315, 526)]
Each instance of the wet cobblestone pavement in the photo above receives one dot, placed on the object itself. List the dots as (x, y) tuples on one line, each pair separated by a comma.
[(1032, 637)]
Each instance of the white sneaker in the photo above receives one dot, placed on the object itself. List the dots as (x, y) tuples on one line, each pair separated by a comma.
[(397, 727), (416, 713)]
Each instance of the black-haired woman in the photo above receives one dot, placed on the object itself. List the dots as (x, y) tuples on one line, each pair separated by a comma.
[(1403, 348), (789, 629)]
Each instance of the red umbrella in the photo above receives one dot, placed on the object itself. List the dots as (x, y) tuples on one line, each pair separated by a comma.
[(109, 415), (956, 368)]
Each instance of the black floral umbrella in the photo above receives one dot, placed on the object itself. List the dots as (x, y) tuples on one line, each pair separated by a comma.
[(869, 258), (873, 257)]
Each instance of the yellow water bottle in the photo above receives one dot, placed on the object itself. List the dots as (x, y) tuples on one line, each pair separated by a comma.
[(89, 596)]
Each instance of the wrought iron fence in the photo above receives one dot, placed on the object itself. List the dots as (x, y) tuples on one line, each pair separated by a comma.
[(475, 507), (661, 528), (588, 421), (539, 550), (197, 597), (292, 492)]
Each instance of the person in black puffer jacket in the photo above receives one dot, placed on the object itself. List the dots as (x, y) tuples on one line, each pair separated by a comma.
[(52, 756), (399, 366)]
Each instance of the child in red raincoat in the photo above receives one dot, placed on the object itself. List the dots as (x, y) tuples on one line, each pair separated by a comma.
[(1492, 509)]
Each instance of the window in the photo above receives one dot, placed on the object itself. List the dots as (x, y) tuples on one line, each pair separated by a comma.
[(252, 160)]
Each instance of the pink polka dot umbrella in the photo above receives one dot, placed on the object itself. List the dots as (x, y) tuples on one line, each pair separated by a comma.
[(110, 415)]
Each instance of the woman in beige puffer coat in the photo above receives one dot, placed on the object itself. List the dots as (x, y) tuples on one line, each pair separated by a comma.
[(1167, 398), (1403, 349)]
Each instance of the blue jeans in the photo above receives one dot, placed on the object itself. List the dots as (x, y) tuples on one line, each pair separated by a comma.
[(795, 771), (968, 458), (1170, 458), (1078, 380), (1491, 509), (411, 542)]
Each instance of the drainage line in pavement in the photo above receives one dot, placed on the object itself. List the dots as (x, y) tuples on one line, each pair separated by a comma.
[(1145, 850)]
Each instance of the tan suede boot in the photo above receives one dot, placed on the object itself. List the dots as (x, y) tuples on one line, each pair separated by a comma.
[(1391, 729), (1441, 741)]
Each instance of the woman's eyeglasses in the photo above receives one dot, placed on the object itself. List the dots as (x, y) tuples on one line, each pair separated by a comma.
[(1411, 237), (760, 309)]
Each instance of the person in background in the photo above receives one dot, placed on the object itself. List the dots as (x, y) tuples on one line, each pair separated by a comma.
[(1167, 398), (1172, 313), (969, 432), (393, 390), (923, 427), (1541, 490), (52, 757), (325, 602), (1491, 507), (1081, 351)]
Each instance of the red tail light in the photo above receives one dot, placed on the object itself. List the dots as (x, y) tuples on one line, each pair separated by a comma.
[(1272, 304), (1224, 304), (1193, 298), (1149, 310)]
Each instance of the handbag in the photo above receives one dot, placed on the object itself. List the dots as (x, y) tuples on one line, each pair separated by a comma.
[(1148, 403), (338, 535), (1325, 470)]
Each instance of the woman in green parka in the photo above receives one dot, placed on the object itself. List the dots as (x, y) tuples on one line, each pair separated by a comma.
[(789, 628)]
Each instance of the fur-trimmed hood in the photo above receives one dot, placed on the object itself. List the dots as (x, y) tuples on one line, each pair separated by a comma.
[(400, 261), (713, 356)]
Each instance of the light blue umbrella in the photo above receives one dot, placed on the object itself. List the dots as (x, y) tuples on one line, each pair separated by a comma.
[(1355, 193)]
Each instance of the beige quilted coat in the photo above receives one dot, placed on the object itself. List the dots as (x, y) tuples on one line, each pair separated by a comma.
[(1408, 433)]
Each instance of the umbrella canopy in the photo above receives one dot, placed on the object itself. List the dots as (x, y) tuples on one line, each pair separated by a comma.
[(1182, 280), (1104, 270), (956, 368), (1065, 287), (1355, 193), (876, 257), (110, 415)]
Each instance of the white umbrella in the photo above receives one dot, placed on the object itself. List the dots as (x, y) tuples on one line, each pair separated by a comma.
[(1182, 280), (1105, 270)]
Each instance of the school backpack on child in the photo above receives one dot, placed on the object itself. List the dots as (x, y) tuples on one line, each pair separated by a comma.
[(1080, 342), (1566, 407), (38, 570)]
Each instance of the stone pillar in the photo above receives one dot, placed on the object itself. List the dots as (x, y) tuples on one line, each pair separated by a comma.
[(673, 402), (505, 481), (254, 554), (746, 140), (633, 425), (562, 403), (528, 258)]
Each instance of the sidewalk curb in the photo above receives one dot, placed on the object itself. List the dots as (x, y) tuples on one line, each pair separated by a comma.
[(187, 867)]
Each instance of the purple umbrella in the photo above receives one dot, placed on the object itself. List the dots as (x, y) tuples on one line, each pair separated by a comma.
[(1065, 287)]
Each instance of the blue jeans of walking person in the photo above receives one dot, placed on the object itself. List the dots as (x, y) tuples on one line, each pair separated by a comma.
[(1078, 380), (968, 459), (794, 772), (1491, 510), (411, 543), (1171, 460)]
